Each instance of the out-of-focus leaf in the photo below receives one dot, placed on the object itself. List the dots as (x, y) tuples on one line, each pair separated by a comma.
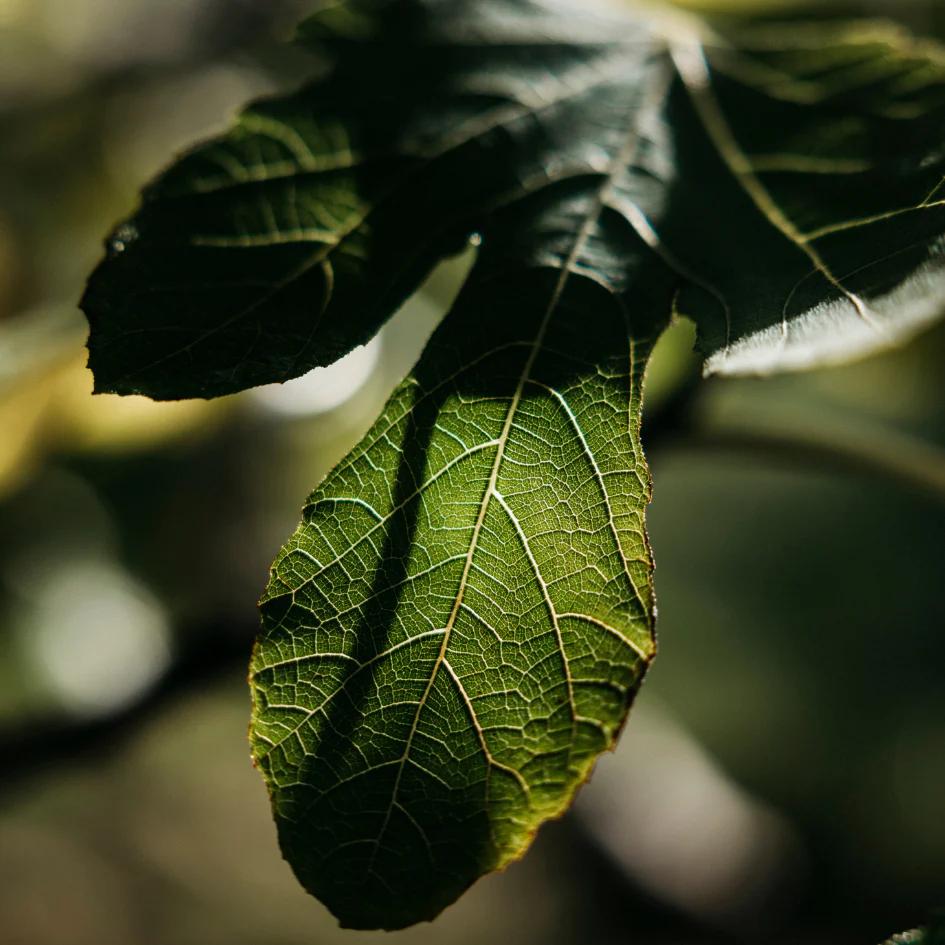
[(933, 934), (36, 339)]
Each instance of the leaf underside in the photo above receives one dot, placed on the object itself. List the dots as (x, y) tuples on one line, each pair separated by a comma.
[(461, 621)]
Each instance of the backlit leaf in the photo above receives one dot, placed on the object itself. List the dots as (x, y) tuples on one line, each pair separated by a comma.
[(459, 625)]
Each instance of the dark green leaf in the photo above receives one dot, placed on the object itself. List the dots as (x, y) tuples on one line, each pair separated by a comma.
[(792, 178), (459, 624)]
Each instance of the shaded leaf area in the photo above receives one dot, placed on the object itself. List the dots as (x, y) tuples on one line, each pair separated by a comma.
[(793, 180), (832, 135), (288, 241), (460, 623)]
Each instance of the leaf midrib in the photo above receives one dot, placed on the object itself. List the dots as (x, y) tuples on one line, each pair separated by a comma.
[(620, 161)]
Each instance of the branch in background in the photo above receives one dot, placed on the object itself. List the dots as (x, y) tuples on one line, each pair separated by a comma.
[(37, 746), (911, 463)]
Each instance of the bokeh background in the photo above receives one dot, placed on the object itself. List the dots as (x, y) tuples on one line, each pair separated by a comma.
[(783, 777)]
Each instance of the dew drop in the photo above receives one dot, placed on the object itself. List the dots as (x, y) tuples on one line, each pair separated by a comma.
[(122, 237)]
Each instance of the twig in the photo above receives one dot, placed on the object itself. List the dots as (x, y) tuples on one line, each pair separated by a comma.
[(912, 463)]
